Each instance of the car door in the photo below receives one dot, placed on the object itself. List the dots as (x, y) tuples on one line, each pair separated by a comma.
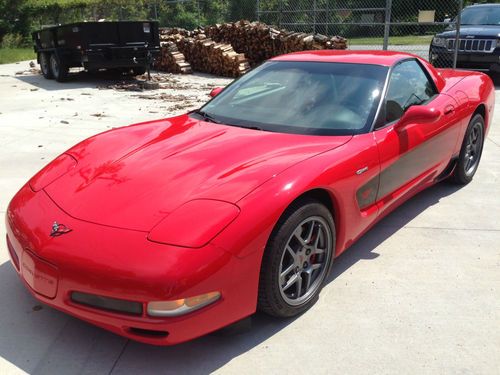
[(418, 152)]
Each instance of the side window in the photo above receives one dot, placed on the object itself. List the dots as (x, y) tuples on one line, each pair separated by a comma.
[(408, 85)]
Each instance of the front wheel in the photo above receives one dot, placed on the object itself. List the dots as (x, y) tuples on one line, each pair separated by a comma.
[(470, 152), (297, 259), (58, 68)]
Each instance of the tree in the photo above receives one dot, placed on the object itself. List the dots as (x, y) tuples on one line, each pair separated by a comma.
[(13, 19)]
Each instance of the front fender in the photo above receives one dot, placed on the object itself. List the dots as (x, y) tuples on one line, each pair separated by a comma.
[(334, 171)]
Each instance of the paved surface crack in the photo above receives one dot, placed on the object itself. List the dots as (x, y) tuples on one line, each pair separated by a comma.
[(119, 356), (46, 353), (492, 141)]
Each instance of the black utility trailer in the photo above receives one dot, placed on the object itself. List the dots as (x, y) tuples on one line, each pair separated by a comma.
[(124, 46)]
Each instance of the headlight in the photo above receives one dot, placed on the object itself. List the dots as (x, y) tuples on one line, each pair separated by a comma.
[(439, 42), (181, 306), (55, 169), (195, 223)]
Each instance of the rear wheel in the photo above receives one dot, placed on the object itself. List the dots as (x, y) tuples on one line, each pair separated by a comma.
[(470, 153), (297, 259), (44, 60), (58, 69)]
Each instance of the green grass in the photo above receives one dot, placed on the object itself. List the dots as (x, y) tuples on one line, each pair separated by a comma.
[(11, 55), (393, 40)]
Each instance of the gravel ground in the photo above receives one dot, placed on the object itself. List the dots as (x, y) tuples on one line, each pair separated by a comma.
[(418, 294)]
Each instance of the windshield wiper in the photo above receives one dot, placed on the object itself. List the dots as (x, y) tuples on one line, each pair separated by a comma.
[(207, 117), (210, 118), (249, 127)]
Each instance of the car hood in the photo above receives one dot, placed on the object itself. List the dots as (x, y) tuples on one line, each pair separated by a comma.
[(477, 31), (133, 177)]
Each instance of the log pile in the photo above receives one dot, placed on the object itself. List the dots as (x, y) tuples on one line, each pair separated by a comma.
[(259, 41), (217, 58), (202, 53), (230, 49), (171, 59)]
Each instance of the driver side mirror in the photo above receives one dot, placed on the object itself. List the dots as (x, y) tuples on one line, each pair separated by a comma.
[(215, 91), (417, 114)]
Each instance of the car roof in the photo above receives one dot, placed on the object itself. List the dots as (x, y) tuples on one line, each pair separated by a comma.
[(376, 57)]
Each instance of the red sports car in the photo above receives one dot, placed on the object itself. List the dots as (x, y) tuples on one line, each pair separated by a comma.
[(167, 230)]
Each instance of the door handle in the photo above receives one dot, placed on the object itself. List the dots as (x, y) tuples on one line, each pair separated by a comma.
[(362, 170), (449, 109)]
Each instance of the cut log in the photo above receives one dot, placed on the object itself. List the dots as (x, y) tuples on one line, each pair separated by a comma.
[(230, 49)]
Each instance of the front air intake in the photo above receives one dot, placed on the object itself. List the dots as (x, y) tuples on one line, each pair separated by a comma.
[(107, 303), (148, 332)]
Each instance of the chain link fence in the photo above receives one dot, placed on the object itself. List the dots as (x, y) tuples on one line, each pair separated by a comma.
[(401, 25)]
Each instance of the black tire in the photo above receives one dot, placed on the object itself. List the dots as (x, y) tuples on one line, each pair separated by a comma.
[(272, 298), (44, 59), (139, 70), (470, 152), (58, 69)]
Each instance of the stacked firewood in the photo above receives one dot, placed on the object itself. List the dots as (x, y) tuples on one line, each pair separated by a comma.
[(230, 49), (171, 59), (206, 55), (259, 41)]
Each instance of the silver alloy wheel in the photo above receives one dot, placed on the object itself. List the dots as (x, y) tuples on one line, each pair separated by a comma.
[(44, 63), (304, 262), (54, 65), (473, 148)]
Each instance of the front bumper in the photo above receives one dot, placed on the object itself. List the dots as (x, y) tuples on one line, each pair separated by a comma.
[(441, 57), (123, 264)]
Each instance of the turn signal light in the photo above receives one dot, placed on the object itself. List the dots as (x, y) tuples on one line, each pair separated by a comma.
[(181, 306)]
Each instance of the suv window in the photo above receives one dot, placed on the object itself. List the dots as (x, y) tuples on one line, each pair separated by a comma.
[(408, 85)]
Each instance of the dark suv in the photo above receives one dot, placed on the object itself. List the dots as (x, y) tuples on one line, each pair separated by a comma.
[(479, 41)]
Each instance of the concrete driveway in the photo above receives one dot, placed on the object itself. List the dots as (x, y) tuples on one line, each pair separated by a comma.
[(419, 293)]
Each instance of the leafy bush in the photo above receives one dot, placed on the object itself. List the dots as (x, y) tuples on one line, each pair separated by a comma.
[(15, 41)]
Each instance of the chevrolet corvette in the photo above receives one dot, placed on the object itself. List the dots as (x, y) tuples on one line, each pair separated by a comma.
[(167, 230)]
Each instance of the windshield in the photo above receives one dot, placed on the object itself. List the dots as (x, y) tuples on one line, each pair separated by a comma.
[(481, 15), (302, 98)]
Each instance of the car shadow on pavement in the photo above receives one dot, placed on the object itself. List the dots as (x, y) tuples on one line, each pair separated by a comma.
[(363, 249), (42, 340)]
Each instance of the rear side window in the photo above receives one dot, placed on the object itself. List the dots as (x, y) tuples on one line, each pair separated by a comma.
[(408, 85)]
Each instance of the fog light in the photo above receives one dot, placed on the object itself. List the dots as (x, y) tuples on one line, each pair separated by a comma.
[(181, 306)]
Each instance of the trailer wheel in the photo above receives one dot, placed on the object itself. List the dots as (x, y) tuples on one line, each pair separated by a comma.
[(58, 69), (139, 70), (44, 60)]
